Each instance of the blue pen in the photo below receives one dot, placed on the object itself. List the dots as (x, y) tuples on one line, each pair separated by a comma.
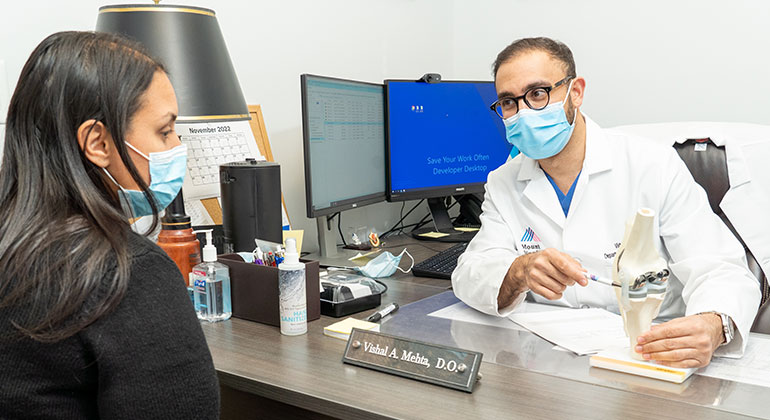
[(278, 255)]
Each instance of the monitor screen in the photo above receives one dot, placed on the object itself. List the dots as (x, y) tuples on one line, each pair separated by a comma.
[(343, 125), (442, 138)]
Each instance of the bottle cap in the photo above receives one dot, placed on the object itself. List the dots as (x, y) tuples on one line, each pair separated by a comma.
[(175, 222), (209, 251), (291, 257)]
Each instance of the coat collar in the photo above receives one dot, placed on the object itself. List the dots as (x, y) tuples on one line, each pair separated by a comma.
[(737, 171), (722, 134), (598, 158)]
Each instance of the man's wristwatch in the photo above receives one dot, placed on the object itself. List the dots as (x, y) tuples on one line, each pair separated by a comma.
[(727, 326)]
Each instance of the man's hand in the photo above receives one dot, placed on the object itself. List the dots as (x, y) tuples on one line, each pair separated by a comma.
[(686, 342), (547, 273)]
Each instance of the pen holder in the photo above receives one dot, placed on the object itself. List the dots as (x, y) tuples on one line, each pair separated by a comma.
[(254, 290)]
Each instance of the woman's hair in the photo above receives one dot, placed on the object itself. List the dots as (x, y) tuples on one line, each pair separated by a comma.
[(63, 236)]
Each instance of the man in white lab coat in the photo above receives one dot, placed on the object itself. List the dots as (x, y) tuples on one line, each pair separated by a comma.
[(560, 207)]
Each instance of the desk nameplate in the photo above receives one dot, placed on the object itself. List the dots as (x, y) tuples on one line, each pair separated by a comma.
[(439, 365)]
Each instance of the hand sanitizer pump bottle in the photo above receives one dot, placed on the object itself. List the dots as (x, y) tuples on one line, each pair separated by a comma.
[(291, 292), (211, 282)]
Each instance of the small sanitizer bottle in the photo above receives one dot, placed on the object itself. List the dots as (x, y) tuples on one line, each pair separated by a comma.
[(211, 286), (291, 292)]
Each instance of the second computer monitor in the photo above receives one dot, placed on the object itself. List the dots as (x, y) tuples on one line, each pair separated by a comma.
[(443, 139), (344, 141)]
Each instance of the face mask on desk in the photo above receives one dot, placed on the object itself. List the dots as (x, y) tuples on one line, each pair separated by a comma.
[(384, 265), (540, 134), (167, 171)]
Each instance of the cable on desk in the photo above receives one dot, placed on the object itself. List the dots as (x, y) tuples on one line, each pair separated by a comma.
[(401, 213), (422, 222), (401, 221), (383, 285), (339, 228)]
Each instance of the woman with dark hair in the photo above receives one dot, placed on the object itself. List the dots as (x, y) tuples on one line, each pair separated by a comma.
[(95, 321)]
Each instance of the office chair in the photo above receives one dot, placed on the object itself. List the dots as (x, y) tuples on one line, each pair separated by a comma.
[(709, 168)]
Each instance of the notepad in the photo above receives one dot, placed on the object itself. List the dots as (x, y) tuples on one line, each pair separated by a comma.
[(343, 328)]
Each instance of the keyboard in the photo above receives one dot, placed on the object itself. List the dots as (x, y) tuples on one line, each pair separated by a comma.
[(442, 264)]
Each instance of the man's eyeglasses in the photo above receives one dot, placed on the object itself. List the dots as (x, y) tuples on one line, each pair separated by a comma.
[(536, 98)]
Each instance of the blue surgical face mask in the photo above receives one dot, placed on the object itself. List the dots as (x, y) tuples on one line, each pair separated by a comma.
[(384, 265), (540, 134), (167, 171)]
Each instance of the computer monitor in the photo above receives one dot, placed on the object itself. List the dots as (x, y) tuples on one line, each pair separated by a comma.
[(343, 125), (442, 140)]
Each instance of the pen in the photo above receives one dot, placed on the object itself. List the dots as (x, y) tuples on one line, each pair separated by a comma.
[(393, 307), (601, 280)]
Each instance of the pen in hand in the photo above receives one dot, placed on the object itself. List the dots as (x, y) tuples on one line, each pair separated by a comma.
[(601, 280), (393, 307)]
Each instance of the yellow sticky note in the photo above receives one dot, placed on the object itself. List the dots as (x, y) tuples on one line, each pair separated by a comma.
[(466, 229), (297, 235), (342, 329), (434, 235), (364, 258)]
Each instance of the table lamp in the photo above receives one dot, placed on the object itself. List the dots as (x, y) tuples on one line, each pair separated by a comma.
[(188, 41)]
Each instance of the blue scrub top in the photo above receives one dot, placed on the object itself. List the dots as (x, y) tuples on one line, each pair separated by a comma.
[(564, 199)]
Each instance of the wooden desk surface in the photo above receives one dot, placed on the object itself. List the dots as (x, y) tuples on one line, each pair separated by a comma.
[(306, 372)]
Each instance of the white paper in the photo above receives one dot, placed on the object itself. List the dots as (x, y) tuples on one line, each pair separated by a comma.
[(582, 331), (462, 312), (217, 141), (199, 216), (753, 368)]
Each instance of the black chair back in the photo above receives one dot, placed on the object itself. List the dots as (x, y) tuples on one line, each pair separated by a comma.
[(709, 169)]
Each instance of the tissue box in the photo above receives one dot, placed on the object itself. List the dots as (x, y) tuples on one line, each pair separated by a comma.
[(254, 290)]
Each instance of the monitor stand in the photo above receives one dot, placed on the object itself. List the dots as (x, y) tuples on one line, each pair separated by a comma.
[(442, 223)]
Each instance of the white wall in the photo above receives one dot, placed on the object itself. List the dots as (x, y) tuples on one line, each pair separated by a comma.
[(271, 44), (646, 61)]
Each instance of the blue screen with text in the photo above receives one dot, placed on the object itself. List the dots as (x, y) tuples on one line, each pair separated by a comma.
[(442, 134)]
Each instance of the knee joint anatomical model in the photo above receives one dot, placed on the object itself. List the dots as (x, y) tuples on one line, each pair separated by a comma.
[(642, 275)]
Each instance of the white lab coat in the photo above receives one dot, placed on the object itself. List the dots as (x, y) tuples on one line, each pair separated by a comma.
[(521, 214)]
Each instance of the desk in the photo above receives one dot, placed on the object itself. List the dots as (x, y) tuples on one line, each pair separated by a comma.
[(303, 377)]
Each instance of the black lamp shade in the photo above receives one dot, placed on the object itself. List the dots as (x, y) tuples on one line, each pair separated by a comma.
[(188, 41)]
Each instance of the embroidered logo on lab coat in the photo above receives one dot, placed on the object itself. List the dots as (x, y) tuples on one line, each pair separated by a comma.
[(530, 242), (530, 236)]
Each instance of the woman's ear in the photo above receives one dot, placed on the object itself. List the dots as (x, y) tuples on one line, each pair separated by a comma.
[(95, 142)]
